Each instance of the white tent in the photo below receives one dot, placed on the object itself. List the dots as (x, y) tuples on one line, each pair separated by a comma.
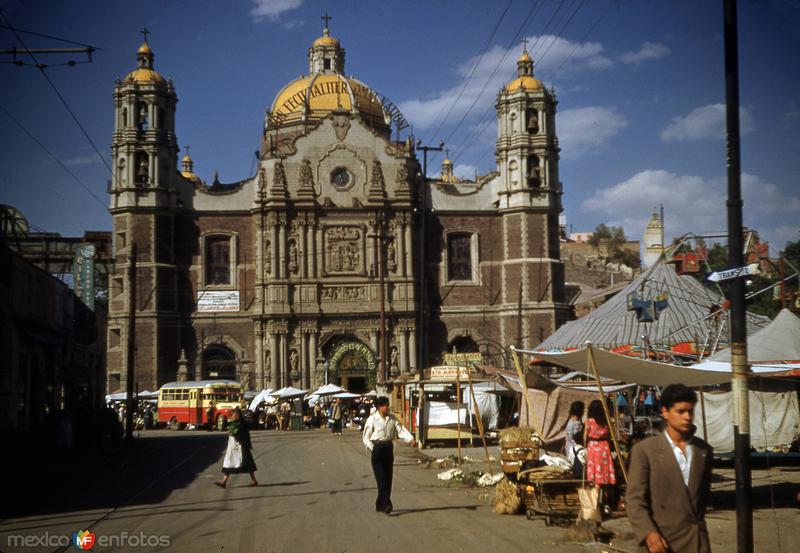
[(288, 392), (328, 389), (371, 393), (346, 395), (264, 396)]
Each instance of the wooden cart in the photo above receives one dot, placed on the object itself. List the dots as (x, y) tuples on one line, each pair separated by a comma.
[(553, 499), (513, 456)]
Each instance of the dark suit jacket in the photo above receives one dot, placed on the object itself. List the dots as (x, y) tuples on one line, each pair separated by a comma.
[(658, 500)]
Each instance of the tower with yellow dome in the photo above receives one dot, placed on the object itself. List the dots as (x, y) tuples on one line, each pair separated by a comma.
[(144, 203)]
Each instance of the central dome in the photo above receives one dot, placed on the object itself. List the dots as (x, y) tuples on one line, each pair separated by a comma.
[(313, 97), (326, 90)]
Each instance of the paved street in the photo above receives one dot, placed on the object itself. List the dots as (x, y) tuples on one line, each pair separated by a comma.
[(316, 494)]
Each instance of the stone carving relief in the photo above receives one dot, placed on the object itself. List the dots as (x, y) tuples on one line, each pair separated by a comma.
[(391, 255), (294, 359), (345, 293), (268, 256), (402, 179), (343, 248), (306, 178), (341, 124), (268, 365), (377, 185), (394, 356)]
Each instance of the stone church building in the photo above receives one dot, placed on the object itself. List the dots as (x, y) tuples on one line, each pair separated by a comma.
[(336, 260)]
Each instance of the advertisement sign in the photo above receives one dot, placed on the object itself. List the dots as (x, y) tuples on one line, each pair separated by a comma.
[(448, 372), (83, 273), (214, 300), (463, 359)]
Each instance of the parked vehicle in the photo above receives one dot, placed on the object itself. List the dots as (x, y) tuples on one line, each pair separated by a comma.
[(183, 403)]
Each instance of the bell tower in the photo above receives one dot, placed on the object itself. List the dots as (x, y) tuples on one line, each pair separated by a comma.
[(529, 200), (144, 204), (326, 54)]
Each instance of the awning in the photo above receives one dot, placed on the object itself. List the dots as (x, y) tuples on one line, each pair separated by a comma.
[(640, 371)]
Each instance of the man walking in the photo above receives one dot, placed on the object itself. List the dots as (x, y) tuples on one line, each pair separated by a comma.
[(669, 481), (379, 432)]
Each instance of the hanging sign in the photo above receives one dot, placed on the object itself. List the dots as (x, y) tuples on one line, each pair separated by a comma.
[(730, 274), (463, 359), (448, 372), (218, 300), (83, 273)]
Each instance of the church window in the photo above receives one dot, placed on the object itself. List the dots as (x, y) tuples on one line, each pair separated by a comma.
[(124, 117), (534, 171), (459, 256), (340, 177), (218, 260), (141, 121), (326, 64), (121, 172), (532, 121)]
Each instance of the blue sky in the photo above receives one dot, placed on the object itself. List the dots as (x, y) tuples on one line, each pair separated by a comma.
[(640, 86)]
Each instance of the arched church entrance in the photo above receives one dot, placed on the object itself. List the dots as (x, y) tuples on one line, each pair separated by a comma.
[(219, 362), (352, 365)]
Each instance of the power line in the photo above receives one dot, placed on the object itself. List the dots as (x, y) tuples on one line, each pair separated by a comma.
[(58, 93), (52, 155), (48, 36), (522, 27), (472, 71)]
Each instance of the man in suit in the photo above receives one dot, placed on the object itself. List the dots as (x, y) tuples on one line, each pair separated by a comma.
[(669, 481)]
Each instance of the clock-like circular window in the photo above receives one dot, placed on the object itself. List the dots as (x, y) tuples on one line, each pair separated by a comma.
[(340, 177)]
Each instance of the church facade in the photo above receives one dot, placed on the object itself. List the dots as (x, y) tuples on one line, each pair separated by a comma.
[(337, 261)]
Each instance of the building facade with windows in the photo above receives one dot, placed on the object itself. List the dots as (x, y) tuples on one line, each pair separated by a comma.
[(336, 261)]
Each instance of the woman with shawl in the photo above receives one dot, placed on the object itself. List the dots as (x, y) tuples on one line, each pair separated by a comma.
[(239, 454)]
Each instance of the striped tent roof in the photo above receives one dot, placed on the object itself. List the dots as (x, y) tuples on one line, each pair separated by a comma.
[(612, 326)]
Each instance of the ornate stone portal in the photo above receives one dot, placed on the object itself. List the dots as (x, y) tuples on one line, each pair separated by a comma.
[(350, 361)]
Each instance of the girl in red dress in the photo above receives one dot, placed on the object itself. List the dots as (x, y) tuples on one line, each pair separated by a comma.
[(599, 464)]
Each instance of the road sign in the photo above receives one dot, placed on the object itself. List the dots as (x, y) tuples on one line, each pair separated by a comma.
[(749, 270)]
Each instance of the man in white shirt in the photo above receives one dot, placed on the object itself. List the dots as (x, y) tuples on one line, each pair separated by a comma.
[(670, 480), (380, 430)]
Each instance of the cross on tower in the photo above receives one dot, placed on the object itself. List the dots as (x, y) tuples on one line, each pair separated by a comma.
[(524, 42), (326, 18), (187, 149), (145, 32)]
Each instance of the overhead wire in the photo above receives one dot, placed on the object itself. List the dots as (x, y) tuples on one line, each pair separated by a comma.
[(52, 155), (522, 27), (472, 71), (58, 93)]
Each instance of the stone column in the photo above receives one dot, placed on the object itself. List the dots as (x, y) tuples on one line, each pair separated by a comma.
[(374, 336), (412, 346), (372, 257), (303, 368), (302, 256), (310, 257), (409, 247), (259, 356), (285, 368), (312, 354), (320, 253), (282, 250), (275, 361), (404, 351), (401, 249), (273, 252)]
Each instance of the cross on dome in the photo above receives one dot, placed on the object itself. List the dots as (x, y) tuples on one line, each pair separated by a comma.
[(326, 18), (145, 32), (524, 42)]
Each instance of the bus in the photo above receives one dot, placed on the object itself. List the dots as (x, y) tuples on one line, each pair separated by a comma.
[(182, 403)]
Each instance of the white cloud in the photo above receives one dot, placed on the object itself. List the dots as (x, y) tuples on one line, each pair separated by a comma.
[(588, 129), (293, 24), (694, 204), (648, 51), (272, 9), (549, 53), (704, 123)]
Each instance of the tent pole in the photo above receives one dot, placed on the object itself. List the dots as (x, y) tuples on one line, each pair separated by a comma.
[(478, 417), (703, 406), (524, 385), (593, 366)]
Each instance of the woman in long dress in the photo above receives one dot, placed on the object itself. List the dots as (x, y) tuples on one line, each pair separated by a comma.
[(239, 454), (599, 463)]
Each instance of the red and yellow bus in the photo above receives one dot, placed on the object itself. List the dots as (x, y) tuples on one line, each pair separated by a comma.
[(182, 403)]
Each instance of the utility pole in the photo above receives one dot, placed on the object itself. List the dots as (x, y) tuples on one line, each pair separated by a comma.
[(739, 366), (423, 295), (130, 344), (382, 280)]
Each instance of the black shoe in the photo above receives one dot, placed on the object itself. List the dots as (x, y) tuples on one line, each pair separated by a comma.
[(388, 510)]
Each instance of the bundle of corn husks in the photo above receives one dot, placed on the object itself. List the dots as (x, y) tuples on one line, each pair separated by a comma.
[(506, 498), (519, 434)]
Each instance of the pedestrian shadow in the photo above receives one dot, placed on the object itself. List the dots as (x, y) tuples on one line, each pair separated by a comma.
[(275, 484), (401, 512), (780, 495)]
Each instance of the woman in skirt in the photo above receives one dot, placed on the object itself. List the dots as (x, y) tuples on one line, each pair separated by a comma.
[(239, 455), (599, 463)]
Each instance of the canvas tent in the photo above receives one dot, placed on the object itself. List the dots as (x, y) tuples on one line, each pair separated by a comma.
[(679, 327), (774, 414), (777, 342)]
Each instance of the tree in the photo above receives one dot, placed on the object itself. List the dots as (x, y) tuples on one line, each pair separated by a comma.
[(613, 239)]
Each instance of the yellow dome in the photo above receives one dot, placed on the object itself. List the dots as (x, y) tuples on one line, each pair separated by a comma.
[(186, 159), (326, 93), (447, 162), (194, 179), (524, 57), (524, 83), (144, 49), (326, 40), (144, 75)]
